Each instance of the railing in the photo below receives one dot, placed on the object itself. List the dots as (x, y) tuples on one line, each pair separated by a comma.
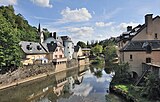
[(145, 69)]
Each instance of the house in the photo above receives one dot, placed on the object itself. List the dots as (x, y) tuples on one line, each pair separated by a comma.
[(143, 47), (50, 50), (77, 52), (86, 51), (68, 47), (32, 51)]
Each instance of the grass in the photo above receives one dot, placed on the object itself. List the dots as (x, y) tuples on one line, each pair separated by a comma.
[(134, 91), (123, 87)]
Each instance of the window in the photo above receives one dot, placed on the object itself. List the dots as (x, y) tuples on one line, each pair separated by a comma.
[(148, 60), (60, 56), (131, 58), (155, 36), (148, 49)]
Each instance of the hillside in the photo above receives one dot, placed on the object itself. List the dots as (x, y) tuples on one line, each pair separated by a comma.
[(13, 28)]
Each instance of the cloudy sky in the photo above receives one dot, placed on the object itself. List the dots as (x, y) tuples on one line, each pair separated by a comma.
[(85, 19)]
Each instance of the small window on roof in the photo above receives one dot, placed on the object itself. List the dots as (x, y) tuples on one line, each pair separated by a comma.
[(29, 47), (39, 48), (148, 49)]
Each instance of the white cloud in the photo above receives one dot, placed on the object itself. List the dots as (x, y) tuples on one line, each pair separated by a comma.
[(103, 24), (123, 26), (81, 30), (77, 15), (8, 2), (42, 3)]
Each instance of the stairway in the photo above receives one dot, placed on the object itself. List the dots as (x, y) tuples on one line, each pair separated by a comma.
[(138, 81)]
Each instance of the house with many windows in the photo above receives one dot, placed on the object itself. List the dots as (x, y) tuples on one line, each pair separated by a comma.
[(140, 47)]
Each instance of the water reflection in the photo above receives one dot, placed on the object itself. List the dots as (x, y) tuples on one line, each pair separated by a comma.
[(86, 83)]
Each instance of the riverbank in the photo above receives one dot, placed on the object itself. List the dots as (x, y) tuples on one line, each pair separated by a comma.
[(31, 78), (30, 73)]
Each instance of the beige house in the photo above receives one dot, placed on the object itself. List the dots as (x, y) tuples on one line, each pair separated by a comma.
[(143, 47), (86, 51), (32, 52), (77, 52)]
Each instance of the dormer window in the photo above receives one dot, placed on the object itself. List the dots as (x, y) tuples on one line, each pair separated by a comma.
[(29, 47), (155, 36), (148, 49), (39, 48)]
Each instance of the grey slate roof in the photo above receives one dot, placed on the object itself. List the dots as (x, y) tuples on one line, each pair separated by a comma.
[(142, 45), (76, 48), (36, 48), (66, 38), (49, 47)]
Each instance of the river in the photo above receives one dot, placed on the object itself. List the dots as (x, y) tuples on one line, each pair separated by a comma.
[(84, 84)]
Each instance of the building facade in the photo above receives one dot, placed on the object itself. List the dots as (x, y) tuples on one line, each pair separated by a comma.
[(143, 46)]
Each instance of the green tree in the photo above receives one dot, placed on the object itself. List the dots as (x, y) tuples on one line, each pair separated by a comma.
[(110, 53), (9, 47), (152, 87), (122, 74), (81, 44), (97, 49)]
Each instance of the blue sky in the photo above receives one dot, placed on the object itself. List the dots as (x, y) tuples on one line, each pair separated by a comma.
[(85, 19)]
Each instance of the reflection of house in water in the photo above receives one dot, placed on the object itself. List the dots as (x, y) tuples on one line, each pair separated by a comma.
[(62, 86)]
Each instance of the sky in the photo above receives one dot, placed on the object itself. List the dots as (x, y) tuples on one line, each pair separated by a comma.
[(85, 20)]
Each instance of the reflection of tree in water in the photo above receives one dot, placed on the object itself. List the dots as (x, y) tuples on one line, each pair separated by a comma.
[(108, 70), (98, 73)]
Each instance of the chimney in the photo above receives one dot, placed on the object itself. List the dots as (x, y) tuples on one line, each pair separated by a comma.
[(129, 28), (149, 23), (54, 35), (51, 34)]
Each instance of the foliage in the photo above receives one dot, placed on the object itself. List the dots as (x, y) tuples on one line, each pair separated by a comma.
[(97, 49), (124, 88), (81, 44), (46, 33), (152, 87), (13, 29), (110, 53), (107, 42), (97, 60), (8, 44), (121, 74)]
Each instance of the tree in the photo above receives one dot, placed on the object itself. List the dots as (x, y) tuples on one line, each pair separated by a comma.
[(97, 49), (152, 87), (46, 33), (81, 44), (122, 74), (110, 53), (9, 47)]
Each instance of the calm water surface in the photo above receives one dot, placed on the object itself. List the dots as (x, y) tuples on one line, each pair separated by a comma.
[(85, 84)]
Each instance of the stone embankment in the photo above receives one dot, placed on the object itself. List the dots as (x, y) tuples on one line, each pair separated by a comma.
[(32, 72)]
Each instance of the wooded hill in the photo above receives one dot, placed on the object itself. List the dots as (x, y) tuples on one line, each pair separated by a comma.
[(13, 29)]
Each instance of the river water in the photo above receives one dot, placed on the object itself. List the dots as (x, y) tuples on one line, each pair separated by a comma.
[(84, 84)]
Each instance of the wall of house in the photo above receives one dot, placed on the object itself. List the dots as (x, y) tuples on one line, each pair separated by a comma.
[(86, 52), (138, 58), (58, 53), (81, 62), (60, 66), (143, 35), (68, 49), (76, 54), (32, 58)]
